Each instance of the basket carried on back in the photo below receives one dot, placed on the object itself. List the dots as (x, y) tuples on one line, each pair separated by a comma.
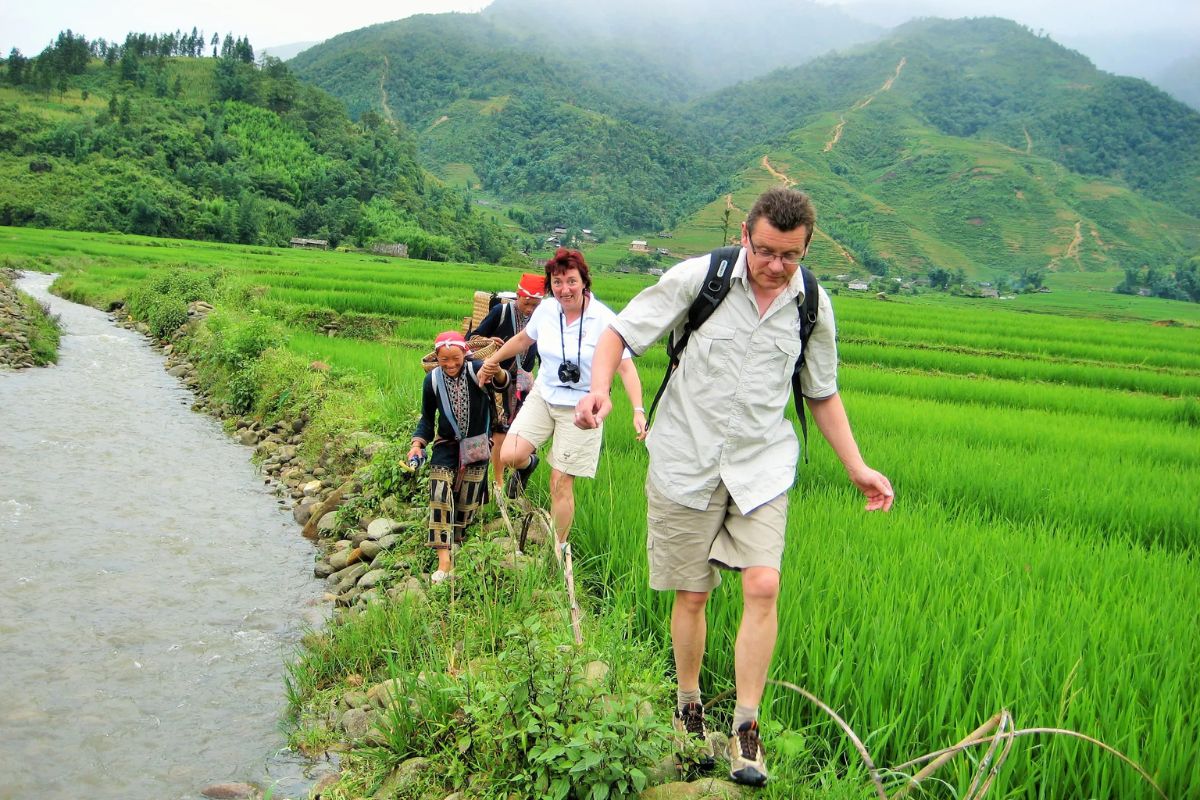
[(481, 348), (481, 304)]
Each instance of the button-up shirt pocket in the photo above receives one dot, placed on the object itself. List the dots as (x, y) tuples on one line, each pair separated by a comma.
[(714, 343), (787, 352)]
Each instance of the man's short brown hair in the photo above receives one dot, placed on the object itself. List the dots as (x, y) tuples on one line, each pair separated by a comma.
[(786, 209)]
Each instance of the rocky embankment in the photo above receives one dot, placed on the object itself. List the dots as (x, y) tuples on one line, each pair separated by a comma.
[(17, 326)]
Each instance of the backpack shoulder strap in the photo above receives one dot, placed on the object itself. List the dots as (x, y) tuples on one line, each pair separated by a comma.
[(712, 292), (807, 309), (443, 396)]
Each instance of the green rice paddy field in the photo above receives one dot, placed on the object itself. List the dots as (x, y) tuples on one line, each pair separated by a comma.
[(1041, 557)]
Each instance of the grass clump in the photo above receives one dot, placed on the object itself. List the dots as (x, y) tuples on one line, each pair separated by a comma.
[(481, 679)]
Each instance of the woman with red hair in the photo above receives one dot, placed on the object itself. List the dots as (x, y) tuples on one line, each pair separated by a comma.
[(565, 328)]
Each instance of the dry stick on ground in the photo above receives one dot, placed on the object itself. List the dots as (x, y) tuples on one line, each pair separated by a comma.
[(862, 749), (934, 765), (569, 575), (1001, 720), (1030, 732)]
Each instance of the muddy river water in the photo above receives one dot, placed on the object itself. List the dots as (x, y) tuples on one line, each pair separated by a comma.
[(152, 589)]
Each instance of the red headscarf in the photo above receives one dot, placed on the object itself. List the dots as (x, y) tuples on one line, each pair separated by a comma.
[(451, 339), (532, 285)]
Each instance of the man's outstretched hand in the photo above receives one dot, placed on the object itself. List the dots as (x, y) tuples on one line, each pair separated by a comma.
[(876, 487), (591, 410)]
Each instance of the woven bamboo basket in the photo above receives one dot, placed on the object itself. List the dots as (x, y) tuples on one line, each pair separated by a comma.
[(481, 348)]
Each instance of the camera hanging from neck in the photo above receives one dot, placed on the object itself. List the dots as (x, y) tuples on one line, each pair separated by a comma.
[(569, 372)]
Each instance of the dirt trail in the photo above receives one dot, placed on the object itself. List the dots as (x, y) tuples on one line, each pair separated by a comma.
[(779, 176), (383, 95), (837, 135), (861, 104), (729, 200), (1028, 141), (866, 101), (786, 181), (1072, 251), (1073, 247), (845, 253)]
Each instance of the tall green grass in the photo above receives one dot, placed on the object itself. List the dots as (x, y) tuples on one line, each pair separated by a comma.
[(1041, 556)]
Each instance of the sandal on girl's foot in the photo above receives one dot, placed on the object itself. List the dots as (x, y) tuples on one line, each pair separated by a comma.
[(440, 575)]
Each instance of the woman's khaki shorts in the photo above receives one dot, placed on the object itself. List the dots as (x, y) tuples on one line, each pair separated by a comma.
[(573, 451), (687, 548)]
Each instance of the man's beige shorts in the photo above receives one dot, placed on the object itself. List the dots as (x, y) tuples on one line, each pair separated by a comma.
[(572, 450), (687, 548)]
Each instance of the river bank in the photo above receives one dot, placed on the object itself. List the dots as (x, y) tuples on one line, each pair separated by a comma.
[(29, 334)]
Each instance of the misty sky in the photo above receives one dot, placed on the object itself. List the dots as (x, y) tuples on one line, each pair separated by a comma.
[(1083, 24)]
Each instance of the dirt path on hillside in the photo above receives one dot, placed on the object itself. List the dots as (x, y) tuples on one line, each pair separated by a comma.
[(1028, 141), (1072, 251), (837, 136), (776, 174), (887, 85), (786, 181), (846, 254), (383, 95), (1073, 247), (861, 104)]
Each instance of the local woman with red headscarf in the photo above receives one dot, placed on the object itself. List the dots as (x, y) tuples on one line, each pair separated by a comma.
[(456, 413), (565, 328)]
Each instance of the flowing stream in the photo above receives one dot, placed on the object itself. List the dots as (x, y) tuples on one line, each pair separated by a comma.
[(152, 587)]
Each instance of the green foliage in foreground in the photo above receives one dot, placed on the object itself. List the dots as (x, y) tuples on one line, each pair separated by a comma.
[(1042, 555), (489, 686)]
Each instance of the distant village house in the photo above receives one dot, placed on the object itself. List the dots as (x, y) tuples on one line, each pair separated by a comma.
[(310, 244), (858, 286), (638, 246), (399, 249)]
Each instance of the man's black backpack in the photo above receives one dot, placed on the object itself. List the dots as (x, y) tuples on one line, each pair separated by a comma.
[(716, 286)]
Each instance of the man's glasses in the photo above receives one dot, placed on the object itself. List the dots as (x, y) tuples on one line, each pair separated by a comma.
[(787, 259)]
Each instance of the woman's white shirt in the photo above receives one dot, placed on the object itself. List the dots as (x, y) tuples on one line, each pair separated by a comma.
[(557, 343)]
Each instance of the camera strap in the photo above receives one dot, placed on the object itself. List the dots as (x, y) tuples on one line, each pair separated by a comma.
[(562, 335)]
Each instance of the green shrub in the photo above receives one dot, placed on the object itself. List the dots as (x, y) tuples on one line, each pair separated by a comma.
[(237, 344), (242, 390), (167, 314)]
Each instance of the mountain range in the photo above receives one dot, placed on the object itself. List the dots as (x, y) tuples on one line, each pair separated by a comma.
[(971, 144)]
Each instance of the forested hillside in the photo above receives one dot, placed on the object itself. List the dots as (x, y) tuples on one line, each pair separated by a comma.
[(579, 144), (158, 136), (973, 146)]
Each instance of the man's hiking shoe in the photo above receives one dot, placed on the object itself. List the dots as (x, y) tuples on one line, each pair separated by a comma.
[(689, 721), (519, 478), (746, 761)]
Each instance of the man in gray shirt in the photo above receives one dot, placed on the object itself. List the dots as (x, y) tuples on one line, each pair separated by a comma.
[(722, 453)]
